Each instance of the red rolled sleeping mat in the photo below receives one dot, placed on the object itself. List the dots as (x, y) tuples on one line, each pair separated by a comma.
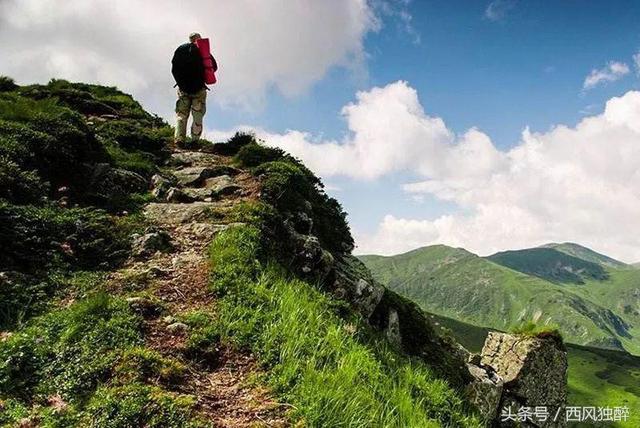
[(205, 53)]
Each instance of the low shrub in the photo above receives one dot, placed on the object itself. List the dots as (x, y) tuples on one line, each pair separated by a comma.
[(34, 239), (67, 352), (234, 144), (7, 84), (533, 329), (139, 405)]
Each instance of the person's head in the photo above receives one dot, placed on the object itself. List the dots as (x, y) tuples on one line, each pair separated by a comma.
[(193, 37)]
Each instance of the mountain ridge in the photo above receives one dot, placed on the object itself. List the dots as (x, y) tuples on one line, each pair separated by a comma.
[(483, 292)]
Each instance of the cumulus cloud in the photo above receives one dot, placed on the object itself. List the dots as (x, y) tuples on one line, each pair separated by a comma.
[(610, 73), (497, 10), (259, 45), (568, 184), (388, 132)]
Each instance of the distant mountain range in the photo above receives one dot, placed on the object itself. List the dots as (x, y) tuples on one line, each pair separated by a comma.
[(593, 299)]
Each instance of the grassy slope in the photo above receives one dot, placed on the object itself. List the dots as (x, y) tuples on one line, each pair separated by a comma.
[(330, 367), (621, 294), (457, 284), (585, 253), (551, 265), (597, 377), (70, 354)]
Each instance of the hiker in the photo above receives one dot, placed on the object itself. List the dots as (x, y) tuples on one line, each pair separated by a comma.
[(188, 71)]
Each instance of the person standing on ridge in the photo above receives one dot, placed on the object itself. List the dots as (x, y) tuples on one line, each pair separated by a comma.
[(188, 71)]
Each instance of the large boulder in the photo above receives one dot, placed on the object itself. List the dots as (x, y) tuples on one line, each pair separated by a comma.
[(534, 372)]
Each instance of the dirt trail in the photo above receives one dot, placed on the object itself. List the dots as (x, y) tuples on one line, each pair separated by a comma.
[(190, 212)]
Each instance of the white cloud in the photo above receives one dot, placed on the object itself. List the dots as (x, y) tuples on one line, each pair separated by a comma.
[(259, 44), (576, 184), (497, 10), (636, 62), (569, 184), (389, 132), (610, 73)]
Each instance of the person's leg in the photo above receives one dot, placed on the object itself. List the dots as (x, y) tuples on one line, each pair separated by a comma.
[(183, 106), (198, 109)]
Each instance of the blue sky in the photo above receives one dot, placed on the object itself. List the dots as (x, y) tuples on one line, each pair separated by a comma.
[(523, 69), (489, 125)]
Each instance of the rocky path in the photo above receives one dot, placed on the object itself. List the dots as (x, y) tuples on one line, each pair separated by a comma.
[(170, 271)]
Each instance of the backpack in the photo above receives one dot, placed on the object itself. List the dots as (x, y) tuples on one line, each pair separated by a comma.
[(187, 68)]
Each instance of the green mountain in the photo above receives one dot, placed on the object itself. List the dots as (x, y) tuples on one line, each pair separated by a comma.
[(592, 305), (586, 254), (551, 265)]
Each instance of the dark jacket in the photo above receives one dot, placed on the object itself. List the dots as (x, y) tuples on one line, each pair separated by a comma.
[(187, 68)]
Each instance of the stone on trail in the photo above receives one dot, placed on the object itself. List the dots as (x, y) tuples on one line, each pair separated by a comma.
[(193, 175), (153, 240), (222, 185), (173, 214), (199, 193), (193, 159)]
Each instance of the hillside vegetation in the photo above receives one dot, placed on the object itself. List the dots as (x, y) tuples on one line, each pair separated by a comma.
[(595, 307), (202, 303)]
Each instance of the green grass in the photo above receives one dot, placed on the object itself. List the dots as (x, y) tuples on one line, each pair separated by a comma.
[(605, 379), (332, 370), (533, 329), (91, 356)]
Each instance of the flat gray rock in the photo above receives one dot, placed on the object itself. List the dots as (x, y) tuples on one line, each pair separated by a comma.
[(221, 186), (193, 175), (193, 159), (172, 214), (199, 193)]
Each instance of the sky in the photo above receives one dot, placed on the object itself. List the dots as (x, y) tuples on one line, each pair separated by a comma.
[(488, 125)]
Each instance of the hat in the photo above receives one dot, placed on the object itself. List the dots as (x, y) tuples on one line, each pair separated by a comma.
[(194, 36)]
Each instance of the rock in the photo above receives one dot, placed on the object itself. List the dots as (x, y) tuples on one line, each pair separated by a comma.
[(160, 185), (392, 331), (201, 231), (222, 185), (144, 307), (485, 391), (106, 182), (173, 213), (153, 240), (177, 327), (192, 159), (534, 371), (310, 257), (199, 194), (193, 175), (177, 195), (367, 296)]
